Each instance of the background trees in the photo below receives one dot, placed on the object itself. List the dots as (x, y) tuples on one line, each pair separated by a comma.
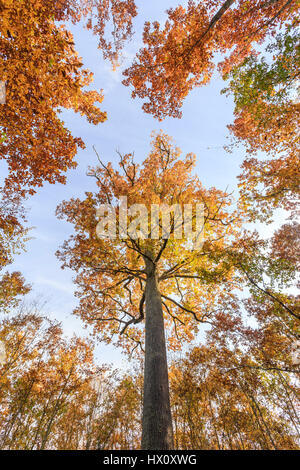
[(13, 236), (54, 396), (42, 375), (217, 405)]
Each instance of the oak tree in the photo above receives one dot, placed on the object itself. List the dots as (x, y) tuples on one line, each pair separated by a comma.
[(132, 279)]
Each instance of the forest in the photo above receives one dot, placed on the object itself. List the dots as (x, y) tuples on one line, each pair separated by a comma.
[(200, 300)]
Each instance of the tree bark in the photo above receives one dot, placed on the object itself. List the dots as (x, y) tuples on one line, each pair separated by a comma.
[(157, 433)]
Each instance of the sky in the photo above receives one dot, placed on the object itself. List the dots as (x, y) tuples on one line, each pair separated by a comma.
[(202, 130)]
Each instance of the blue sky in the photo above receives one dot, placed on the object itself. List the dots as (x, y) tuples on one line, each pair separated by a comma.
[(205, 116)]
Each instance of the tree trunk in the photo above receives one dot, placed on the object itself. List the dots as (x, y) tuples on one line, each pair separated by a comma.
[(157, 431)]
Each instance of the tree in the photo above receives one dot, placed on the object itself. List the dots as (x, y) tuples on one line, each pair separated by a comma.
[(235, 391), (180, 56), (267, 119), (43, 74), (54, 396), (120, 13), (125, 280), (219, 405), (42, 377), (269, 268), (13, 236)]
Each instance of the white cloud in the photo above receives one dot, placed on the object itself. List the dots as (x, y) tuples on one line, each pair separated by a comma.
[(63, 287)]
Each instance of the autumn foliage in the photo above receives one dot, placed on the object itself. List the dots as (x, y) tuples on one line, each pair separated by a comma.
[(43, 74), (181, 55), (267, 118), (13, 236), (226, 310), (54, 396), (111, 272)]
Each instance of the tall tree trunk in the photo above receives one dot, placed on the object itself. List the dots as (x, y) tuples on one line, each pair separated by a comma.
[(157, 431)]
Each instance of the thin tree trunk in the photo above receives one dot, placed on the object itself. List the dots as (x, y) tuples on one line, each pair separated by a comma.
[(157, 433)]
